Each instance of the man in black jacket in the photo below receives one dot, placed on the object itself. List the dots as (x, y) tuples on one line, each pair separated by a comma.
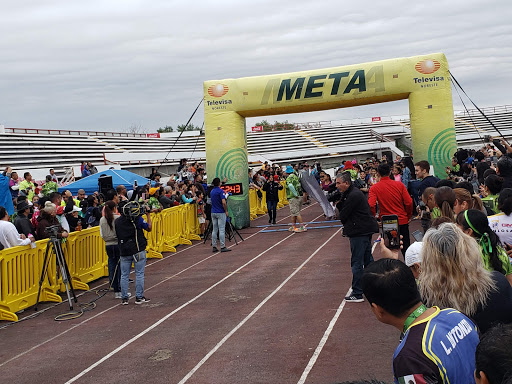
[(358, 225)]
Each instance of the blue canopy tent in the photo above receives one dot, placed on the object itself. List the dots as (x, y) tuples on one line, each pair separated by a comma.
[(90, 183)]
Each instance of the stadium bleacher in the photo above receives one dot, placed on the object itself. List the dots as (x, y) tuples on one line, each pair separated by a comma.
[(33, 148)]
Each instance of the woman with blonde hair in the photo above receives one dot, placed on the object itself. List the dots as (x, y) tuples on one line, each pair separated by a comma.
[(453, 275), (464, 201)]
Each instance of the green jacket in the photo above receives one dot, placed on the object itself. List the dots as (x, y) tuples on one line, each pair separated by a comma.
[(293, 188)]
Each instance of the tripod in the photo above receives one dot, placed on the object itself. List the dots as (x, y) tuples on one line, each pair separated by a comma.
[(54, 243), (230, 231)]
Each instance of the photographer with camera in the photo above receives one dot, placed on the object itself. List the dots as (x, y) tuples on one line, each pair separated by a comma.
[(129, 228), (358, 225), (48, 218)]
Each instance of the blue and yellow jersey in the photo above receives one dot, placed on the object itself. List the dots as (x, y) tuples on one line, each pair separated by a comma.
[(438, 349)]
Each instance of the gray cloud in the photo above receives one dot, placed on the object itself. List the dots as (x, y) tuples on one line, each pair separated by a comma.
[(105, 65)]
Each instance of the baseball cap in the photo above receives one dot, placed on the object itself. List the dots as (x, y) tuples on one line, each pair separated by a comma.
[(413, 253)]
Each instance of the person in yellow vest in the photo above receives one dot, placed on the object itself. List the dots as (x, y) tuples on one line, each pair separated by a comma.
[(27, 186)]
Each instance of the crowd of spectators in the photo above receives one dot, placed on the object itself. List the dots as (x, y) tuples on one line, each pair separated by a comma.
[(463, 262)]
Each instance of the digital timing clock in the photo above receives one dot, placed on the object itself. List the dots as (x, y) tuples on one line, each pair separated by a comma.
[(233, 188)]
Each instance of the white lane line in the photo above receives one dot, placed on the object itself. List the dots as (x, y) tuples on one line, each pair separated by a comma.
[(220, 343), (117, 305), (156, 324), (321, 345)]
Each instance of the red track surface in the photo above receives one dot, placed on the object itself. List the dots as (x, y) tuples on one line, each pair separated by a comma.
[(253, 315)]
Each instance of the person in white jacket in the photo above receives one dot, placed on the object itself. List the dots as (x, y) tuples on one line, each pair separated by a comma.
[(9, 236)]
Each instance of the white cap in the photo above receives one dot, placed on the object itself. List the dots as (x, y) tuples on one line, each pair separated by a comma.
[(76, 209), (413, 253)]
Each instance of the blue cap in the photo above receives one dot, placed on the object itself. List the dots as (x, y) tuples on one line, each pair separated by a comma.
[(289, 169)]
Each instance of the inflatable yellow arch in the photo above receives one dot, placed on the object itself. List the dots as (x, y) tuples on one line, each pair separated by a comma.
[(424, 80)]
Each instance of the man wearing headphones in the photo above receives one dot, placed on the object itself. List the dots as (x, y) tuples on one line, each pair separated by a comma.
[(132, 246)]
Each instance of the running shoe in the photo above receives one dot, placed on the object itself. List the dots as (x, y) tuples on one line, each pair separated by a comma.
[(354, 299), (141, 300)]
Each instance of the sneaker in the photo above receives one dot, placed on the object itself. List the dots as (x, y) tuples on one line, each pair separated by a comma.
[(225, 249), (215, 249), (273, 222), (117, 295), (124, 302), (303, 228), (141, 300), (292, 229), (354, 299)]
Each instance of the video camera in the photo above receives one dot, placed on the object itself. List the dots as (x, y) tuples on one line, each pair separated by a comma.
[(133, 209), (52, 231)]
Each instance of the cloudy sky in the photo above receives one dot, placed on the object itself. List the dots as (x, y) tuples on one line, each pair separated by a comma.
[(113, 64)]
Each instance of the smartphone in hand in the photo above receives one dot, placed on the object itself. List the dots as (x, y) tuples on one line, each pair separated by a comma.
[(390, 232)]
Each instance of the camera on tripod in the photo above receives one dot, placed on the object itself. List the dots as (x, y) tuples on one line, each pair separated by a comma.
[(53, 230)]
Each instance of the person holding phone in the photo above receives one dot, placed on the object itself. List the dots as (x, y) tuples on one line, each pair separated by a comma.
[(358, 225)]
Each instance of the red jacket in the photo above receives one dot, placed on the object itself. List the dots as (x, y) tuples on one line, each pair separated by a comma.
[(393, 199)]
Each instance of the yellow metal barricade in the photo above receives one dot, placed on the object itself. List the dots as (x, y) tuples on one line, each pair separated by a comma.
[(253, 203), (20, 271), (262, 203), (190, 222), (282, 196), (172, 228), (86, 257), (155, 237)]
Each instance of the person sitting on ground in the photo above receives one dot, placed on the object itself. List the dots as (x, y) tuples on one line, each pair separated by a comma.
[(9, 236), (475, 224), (22, 221), (392, 292), (453, 275), (493, 357), (48, 218)]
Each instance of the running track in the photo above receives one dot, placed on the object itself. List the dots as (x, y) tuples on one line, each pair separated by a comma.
[(270, 311)]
